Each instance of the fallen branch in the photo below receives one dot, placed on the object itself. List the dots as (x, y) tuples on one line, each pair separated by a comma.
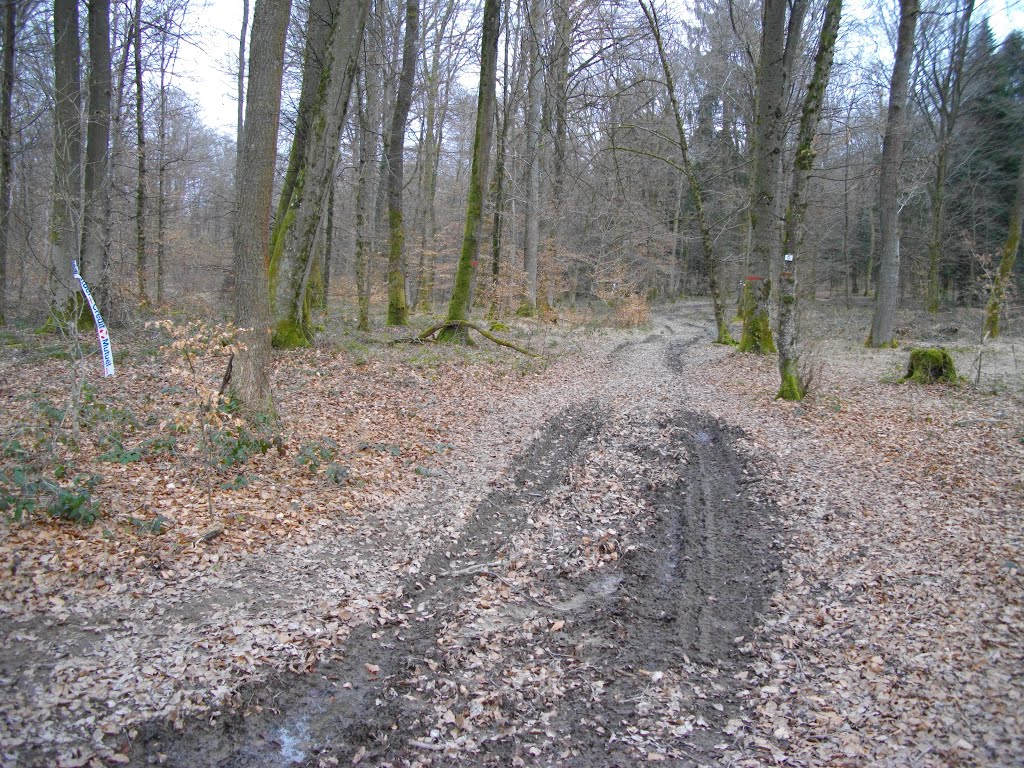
[(427, 334), (210, 535)]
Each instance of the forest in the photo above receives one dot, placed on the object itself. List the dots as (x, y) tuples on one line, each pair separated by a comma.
[(537, 382)]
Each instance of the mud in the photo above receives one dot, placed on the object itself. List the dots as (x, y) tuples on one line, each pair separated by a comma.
[(677, 603)]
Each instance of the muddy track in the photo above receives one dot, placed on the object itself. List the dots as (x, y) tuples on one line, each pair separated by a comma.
[(294, 717), (566, 663)]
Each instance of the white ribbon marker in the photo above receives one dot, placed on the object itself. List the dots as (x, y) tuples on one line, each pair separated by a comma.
[(101, 327)]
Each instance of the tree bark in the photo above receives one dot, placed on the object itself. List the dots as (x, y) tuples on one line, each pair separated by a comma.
[(293, 240), (67, 153), (887, 293), (240, 83), (140, 159), (255, 192), (534, 94), (97, 151), (369, 107), (1004, 274), (791, 387), (458, 307), (769, 132), (398, 310), (6, 140)]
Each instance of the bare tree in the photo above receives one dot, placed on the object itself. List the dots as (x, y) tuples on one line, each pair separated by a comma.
[(888, 197), (10, 21), (722, 325), (95, 221), (67, 152), (398, 311), (792, 388), (779, 42), (1004, 273), (294, 260), (255, 193), (458, 307), (534, 97)]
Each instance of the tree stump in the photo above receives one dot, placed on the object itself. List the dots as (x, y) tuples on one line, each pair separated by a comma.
[(931, 366)]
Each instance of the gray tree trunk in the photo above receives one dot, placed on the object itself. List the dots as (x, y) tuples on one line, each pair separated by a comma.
[(534, 91), (67, 153), (458, 307), (769, 133), (792, 388), (398, 310), (292, 255), (140, 159), (887, 293), (6, 139), (97, 151), (254, 197), (696, 194)]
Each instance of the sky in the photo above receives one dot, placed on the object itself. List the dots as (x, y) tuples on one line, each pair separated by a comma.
[(207, 65)]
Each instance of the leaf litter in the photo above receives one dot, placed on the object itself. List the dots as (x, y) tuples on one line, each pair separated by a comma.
[(504, 606)]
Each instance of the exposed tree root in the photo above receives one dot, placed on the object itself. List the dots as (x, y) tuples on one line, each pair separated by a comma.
[(428, 335)]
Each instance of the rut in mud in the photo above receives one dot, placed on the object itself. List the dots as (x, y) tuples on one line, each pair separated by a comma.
[(595, 611)]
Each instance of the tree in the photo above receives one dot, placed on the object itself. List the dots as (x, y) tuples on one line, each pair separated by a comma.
[(140, 159), (943, 53), (95, 222), (1004, 273), (67, 153), (774, 68), (294, 264), (458, 307), (791, 387), (888, 196), (251, 377), (6, 130), (534, 95), (368, 107), (398, 311), (721, 324)]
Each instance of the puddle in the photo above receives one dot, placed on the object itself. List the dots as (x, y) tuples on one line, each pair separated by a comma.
[(294, 741)]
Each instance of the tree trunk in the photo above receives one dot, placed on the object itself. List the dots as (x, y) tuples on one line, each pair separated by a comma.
[(319, 23), (97, 151), (367, 165), (534, 94), (398, 310), (67, 153), (1004, 275), (887, 292), (293, 240), (251, 379), (721, 324), (6, 139), (240, 83), (140, 158), (769, 132), (458, 307), (791, 387)]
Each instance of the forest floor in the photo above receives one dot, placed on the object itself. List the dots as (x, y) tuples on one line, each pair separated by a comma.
[(626, 552)]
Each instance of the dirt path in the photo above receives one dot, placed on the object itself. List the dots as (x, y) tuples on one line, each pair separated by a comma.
[(592, 609), (635, 555)]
